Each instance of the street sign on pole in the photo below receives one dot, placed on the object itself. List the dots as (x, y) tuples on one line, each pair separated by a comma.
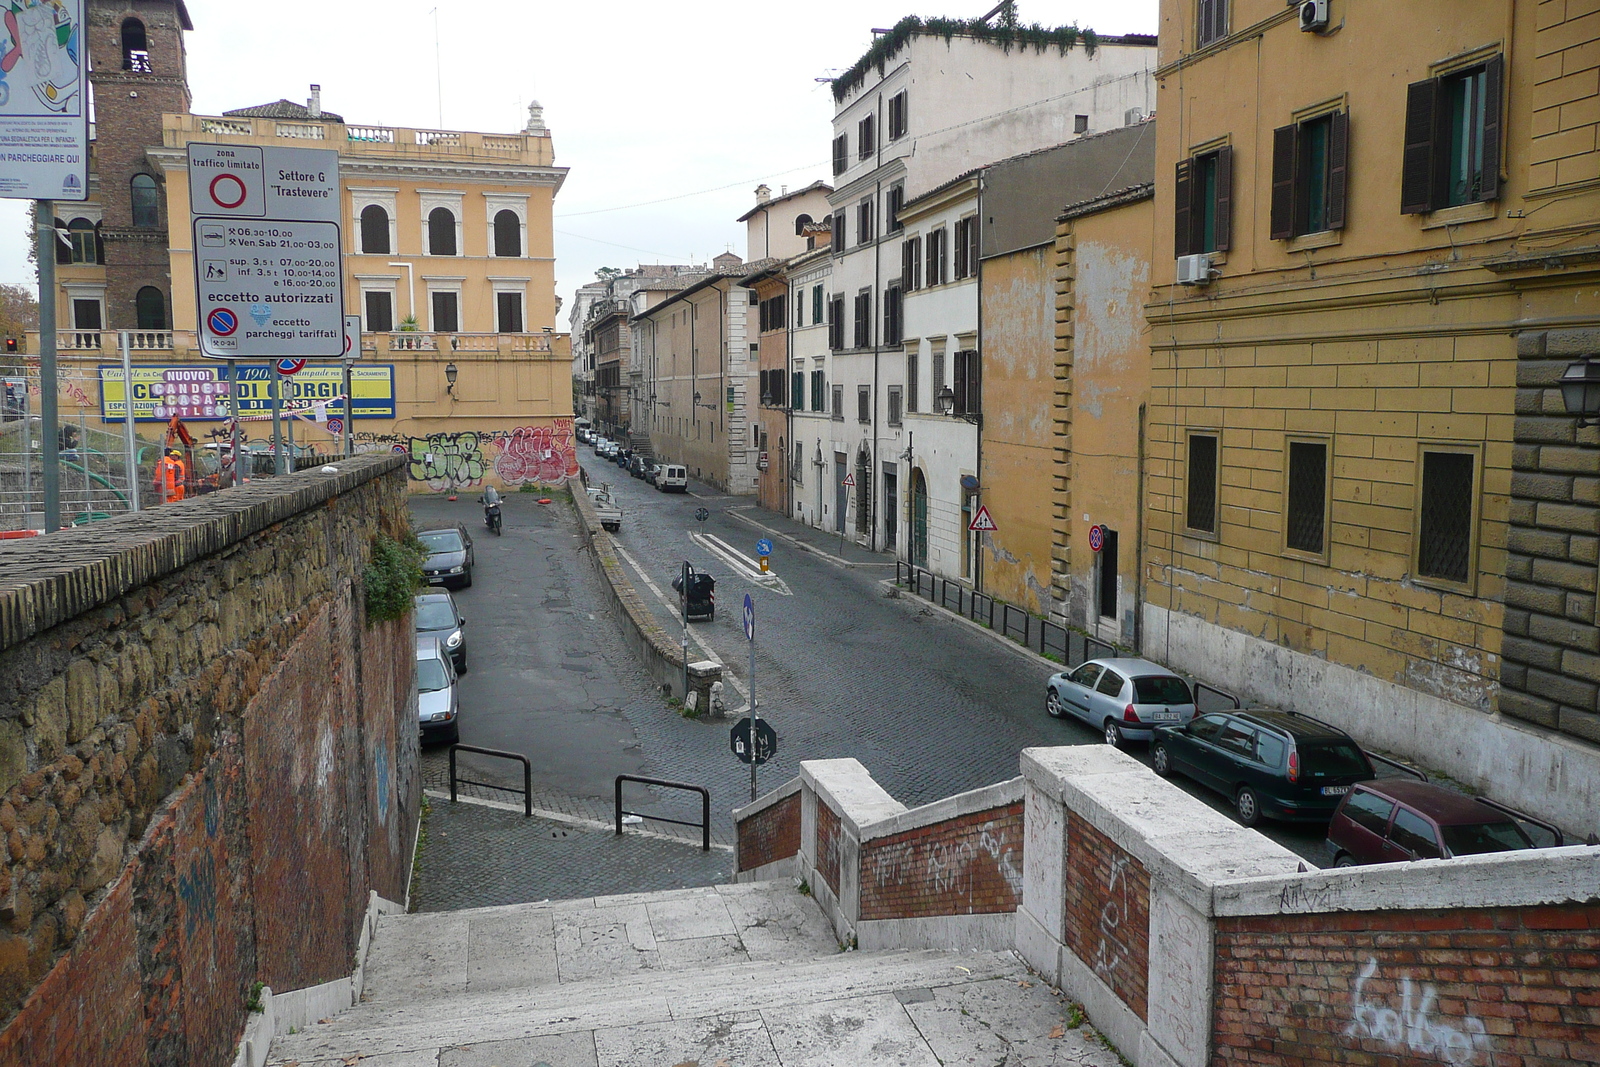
[(44, 104), (765, 747), (267, 251), (981, 522), (1097, 538), (763, 547), (849, 481), (749, 618)]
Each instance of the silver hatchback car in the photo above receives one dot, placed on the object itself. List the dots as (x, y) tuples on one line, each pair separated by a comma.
[(1124, 698)]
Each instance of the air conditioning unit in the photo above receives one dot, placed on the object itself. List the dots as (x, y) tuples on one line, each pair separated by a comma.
[(1194, 270), (1314, 16)]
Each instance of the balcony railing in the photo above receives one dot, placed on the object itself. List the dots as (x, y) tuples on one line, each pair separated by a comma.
[(536, 343), (303, 131), (382, 140), (369, 134), (227, 127), (184, 344)]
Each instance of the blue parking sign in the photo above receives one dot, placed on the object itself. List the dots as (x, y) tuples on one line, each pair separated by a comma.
[(763, 547)]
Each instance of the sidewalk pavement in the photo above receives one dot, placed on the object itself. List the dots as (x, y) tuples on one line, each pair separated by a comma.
[(476, 856)]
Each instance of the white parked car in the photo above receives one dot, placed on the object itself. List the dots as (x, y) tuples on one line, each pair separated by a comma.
[(673, 478)]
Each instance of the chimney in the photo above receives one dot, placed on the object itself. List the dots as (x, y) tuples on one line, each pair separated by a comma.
[(314, 105), (763, 194)]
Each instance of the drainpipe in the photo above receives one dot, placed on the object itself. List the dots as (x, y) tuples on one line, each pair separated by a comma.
[(875, 323), (788, 415), (977, 460), (1138, 545)]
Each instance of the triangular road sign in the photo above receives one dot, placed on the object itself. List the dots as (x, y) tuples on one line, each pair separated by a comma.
[(849, 481), (981, 522)]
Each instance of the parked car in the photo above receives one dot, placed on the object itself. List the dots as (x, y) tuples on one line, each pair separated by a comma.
[(652, 473), (1123, 698), (438, 712), (449, 559), (1394, 820), (1276, 764), (438, 617), (673, 478), (638, 467), (606, 509)]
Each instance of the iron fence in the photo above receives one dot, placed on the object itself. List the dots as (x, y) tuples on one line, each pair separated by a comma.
[(705, 806)]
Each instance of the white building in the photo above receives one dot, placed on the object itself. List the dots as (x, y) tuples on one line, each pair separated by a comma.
[(930, 110), (815, 482), (582, 358)]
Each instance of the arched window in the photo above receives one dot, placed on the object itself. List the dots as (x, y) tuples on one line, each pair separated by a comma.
[(82, 235), (375, 231), (441, 232), (146, 202), (800, 224), (63, 246), (507, 234), (151, 307), (135, 48)]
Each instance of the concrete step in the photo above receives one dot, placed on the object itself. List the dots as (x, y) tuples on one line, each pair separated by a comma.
[(744, 974)]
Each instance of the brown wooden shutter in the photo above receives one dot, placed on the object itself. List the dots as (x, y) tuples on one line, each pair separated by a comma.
[(1283, 156), (974, 384), (1417, 164), (1493, 88), (907, 254), (961, 383), (972, 246), (1338, 168), (1224, 205), (933, 252), (1182, 210)]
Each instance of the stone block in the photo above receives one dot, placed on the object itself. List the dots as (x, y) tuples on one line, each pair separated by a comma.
[(1574, 577), (1516, 621), (1530, 708), (1575, 518), (1525, 457), (1549, 544), (1542, 486), (1531, 653), (1513, 675), (1584, 549), (1561, 689), (1535, 598), (1564, 459), (1549, 429), (1580, 607), (1568, 633), (1581, 341), (1530, 343), (13, 755), (1584, 724)]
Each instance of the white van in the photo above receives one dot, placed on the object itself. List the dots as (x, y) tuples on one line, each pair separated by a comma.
[(673, 478)]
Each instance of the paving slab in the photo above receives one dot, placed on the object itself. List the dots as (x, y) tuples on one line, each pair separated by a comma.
[(846, 1032)]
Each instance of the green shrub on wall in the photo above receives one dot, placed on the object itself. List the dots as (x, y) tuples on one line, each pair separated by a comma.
[(393, 575)]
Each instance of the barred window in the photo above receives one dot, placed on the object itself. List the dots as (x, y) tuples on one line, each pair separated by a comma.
[(1444, 540), (1202, 513), (1308, 496)]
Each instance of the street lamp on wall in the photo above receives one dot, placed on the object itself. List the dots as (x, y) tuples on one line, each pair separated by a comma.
[(450, 372), (945, 401), (1580, 391)]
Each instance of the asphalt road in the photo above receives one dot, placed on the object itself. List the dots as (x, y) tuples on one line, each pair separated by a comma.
[(930, 705)]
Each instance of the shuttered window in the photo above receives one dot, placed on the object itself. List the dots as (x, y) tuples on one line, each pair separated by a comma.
[(1452, 139), (891, 315), (863, 323), (1213, 21), (866, 132), (936, 242), (841, 153), (863, 403), (816, 304), (1203, 206), (865, 231), (1310, 163), (894, 405), (897, 115), (911, 381), (967, 383), (836, 323), (911, 264), (893, 202), (797, 397)]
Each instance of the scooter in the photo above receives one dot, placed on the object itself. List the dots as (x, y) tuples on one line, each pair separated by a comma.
[(491, 514)]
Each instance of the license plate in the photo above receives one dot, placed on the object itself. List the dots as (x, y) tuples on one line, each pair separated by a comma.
[(1164, 716), (1335, 790)]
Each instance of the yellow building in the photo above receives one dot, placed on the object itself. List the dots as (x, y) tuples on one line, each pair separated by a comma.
[(1370, 217), (448, 259)]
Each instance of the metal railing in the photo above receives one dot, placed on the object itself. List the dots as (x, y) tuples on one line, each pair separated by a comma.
[(705, 806), (527, 774)]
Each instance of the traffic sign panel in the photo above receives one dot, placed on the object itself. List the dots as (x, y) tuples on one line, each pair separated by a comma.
[(222, 322), (981, 522), (749, 618), (251, 182), (284, 280), (291, 366), (849, 481), (336, 426), (763, 547), (1097, 538), (352, 337), (766, 741)]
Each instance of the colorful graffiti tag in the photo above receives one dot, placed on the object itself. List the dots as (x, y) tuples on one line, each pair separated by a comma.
[(448, 462)]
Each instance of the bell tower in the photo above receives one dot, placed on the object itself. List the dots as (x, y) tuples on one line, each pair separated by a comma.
[(138, 73)]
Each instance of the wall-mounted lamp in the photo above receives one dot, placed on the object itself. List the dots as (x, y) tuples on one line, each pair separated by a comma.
[(1580, 391), (450, 372), (945, 401), (910, 439)]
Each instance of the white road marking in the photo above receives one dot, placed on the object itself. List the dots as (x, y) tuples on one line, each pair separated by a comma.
[(747, 568)]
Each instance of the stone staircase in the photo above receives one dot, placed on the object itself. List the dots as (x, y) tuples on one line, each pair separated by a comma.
[(726, 976)]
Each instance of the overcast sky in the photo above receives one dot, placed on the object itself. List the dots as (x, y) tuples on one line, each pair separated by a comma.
[(647, 101)]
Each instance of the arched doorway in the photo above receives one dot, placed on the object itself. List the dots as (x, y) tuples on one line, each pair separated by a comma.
[(919, 519)]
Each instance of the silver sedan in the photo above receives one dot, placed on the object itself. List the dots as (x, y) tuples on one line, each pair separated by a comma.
[(1124, 698)]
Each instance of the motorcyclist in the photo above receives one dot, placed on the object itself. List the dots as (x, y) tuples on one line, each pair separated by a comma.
[(491, 506)]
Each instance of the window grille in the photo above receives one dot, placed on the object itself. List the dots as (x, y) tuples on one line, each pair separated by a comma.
[(1444, 543), (1202, 514), (1308, 495)]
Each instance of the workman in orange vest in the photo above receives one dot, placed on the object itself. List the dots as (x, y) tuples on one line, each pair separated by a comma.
[(171, 475)]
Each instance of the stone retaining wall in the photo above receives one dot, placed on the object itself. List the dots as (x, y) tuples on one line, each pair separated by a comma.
[(207, 762)]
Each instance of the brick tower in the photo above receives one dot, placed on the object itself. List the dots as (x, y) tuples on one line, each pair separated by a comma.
[(137, 53)]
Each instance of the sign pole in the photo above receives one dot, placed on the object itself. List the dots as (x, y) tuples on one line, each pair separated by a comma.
[(349, 426), (755, 717), (45, 232), (127, 423), (289, 408), (277, 420), (233, 430), (685, 606)]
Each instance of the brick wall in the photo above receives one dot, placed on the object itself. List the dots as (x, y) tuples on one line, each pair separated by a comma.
[(968, 865), (1108, 911), (1507, 987), (1565, 95), (207, 760), (770, 835), (828, 832)]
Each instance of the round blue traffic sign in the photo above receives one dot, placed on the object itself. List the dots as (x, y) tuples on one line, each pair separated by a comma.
[(749, 618), (1097, 537), (291, 366), (222, 322), (763, 547)]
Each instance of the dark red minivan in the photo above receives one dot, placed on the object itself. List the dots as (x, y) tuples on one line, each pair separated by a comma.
[(1394, 820)]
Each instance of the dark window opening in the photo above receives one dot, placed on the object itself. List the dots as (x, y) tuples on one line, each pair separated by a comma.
[(891, 315), (507, 235), (1080, 124), (441, 232), (1444, 548), (836, 323), (866, 134), (86, 315), (1202, 478), (967, 383), (1308, 495), (841, 153), (380, 312), (864, 228), (146, 202), (863, 403), (911, 381), (800, 224), (863, 323), (135, 47), (1310, 163), (897, 115), (445, 310), (911, 264), (1203, 219), (891, 209), (1107, 606), (375, 231), (508, 312), (150, 308)]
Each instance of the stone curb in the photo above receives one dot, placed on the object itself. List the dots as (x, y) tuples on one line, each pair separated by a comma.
[(45, 581)]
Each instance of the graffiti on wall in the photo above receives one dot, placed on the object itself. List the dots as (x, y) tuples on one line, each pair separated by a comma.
[(1113, 949), (447, 462), (1412, 1027)]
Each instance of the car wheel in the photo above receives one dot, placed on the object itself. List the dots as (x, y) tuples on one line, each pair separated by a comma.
[(1248, 805), (1344, 859), (466, 582), (1113, 733), (455, 736), (462, 669), (1161, 760), (1052, 704)]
